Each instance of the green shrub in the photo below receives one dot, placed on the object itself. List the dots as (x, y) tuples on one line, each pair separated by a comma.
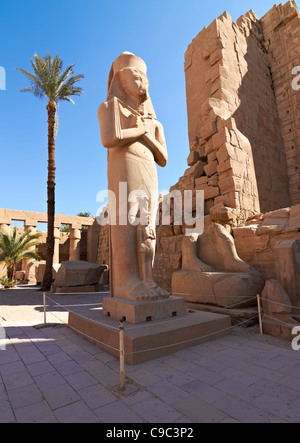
[(8, 282)]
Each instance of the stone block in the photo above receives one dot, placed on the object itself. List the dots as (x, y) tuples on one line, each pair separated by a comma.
[(208, 129), (245, 236), (216, 56), (20, 275), (201, 183), (274, 222), (135, 312), (78, 289), (209, 147), (222, 214), (193, 158), (225, 152), (225, 289), (211, 168), (39, 269), (225, 166), (211, 192), (227, 185), (275, 299), (213, 180), (277, 319), (196, 170), (287, 264), (222, 137), (231, 199), (211, 157), (78, 273), (294, 219)]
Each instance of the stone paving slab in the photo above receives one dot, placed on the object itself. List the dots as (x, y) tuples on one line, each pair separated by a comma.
[(54, 375)]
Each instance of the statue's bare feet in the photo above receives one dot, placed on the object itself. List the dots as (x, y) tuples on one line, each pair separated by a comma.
[(138, 290), (157, 289), (143, 292), (163, 293), (195, 264), (190, 259)]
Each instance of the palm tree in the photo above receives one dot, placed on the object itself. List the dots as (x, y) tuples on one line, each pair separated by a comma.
[(15, 248), (50, 82)]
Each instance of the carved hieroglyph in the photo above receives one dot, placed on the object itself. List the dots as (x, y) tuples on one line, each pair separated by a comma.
[(135, 142)]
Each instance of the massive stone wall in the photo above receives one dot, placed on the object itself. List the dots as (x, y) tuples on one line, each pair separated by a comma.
[(281, 27), (257, 115), (243, 120), (234, 124)]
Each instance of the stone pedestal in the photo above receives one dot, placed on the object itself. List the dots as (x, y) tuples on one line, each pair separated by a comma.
[(225, 289), (150, 340), (140, 312)]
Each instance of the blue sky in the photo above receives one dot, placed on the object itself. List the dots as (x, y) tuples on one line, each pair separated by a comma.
[(91, 34)]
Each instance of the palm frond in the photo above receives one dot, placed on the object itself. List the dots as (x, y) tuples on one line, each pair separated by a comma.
[(28, 255), (15, 247), (49, 80), (35, 91), (66, 74)]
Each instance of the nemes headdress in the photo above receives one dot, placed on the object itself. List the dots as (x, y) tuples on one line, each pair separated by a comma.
[(127, 60)]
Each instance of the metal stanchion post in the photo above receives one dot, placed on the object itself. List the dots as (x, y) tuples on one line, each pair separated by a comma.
[(122, 360), (259, 314)]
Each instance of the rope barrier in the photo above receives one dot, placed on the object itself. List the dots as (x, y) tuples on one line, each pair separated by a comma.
[(93, 339), (79, 306), (86, 335), (193, 339), (128, 326), (278, 303), (120, 330), (221, 296), (280, 321), (160, 347), (73, 312)]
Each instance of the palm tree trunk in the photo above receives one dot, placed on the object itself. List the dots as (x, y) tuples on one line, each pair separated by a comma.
[(10, 272), (51, 108)]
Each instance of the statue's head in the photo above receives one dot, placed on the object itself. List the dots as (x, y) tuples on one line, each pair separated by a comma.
[(134, 83), (128, 78)]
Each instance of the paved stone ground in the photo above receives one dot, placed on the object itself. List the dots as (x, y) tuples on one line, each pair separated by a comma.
[(53, 375)]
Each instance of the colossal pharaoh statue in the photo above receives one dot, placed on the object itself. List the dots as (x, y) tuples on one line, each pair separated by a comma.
[(135, 141)]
